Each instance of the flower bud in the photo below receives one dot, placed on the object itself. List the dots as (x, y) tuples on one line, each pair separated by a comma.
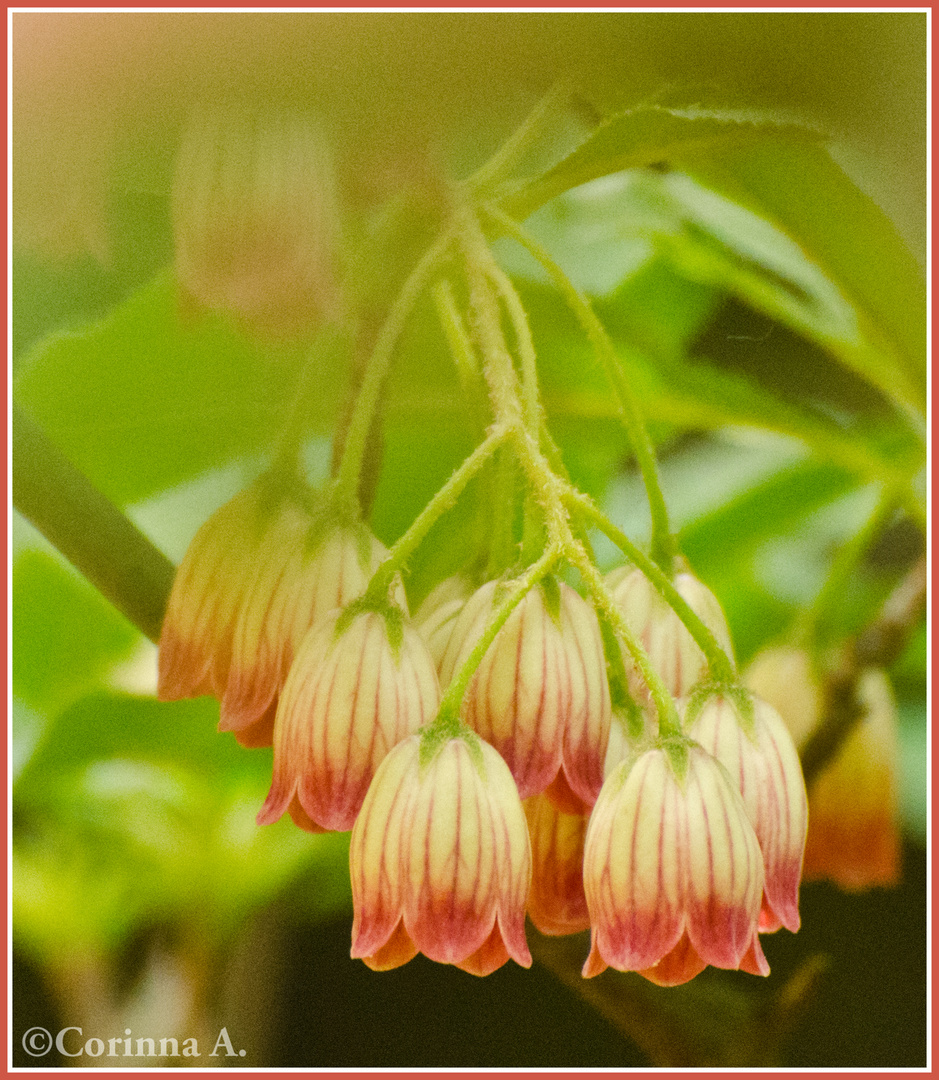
[(853, 836), (209, 590), (761, 759), (352, 694), (672, 650), (540, 694), (672, 871), (440, 860), (255, 220), (556, 901), (297, 583)]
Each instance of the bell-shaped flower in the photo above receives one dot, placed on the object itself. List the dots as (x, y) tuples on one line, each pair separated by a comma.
[(556, 900), (440, 859), (210, 588), (672, 870), (540, 694), (295, 585), (854, 836), (758, 753), (354, 691), (672, 650), (255, 220)]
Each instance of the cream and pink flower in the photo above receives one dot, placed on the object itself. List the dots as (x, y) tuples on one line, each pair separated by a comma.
[(759, 755), (297, 583), (352, 694), (255, 220), (440, 859), (210, 588), (673, 873), (540, 694), (854, 834), (672, 650)]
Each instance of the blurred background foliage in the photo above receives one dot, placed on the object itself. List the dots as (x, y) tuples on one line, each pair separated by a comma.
[(766, 295)]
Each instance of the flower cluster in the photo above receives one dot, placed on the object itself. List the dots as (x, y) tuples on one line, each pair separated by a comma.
[(500, 754)]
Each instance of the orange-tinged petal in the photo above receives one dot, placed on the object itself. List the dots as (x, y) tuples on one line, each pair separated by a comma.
[(853, 833), (673, 874), (766, 770), (375, 867), (208, 592), (296, 586), (347, 701), (556, 900)]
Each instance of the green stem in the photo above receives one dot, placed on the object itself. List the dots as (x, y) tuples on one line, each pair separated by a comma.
[(722, 669), (663, 544), (461, 348), (497, 361), (448, 714), (514, 148), (350, 466), (669, 724), (501, 512), (443, 501), (286, 457), (531, 402), (89, 530)]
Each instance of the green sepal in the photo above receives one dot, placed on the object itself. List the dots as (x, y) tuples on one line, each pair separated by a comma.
[(551, 593), (441, 731), (675, 748), (387, 609), (738, 696)]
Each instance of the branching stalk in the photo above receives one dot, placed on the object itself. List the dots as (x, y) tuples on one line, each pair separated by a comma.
[(663, 545), (350, 467)]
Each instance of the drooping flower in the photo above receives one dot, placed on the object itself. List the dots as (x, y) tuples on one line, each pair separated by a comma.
[(672, 871), (295, 585), (540, 694), (672, 650), (761, 759), (440, 860), (556, 901), (255, 219), (352, 694), (209, 590), (854, 836)]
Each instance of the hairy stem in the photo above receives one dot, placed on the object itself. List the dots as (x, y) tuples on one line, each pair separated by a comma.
[(350, 466), (663, 545)]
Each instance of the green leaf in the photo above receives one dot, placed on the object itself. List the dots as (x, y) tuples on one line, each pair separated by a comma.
[(140, 401), (67, 634), (798, 186), (649, 135)]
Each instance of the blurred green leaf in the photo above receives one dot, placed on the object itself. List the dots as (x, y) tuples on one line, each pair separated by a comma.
[(67, 634), (140, 401), (649, 135), (798, 186), (131, 810)]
